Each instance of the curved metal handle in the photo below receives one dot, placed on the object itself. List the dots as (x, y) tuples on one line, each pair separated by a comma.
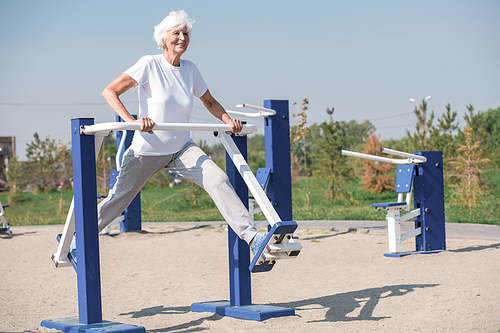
[(410, 158)]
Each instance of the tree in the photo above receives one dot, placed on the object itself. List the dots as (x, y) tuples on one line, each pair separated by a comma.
[(491, 123), (256, 152), (300, 133), (330, 163), (468, 165), (418, 140), (447, 126), (65, 164), (17, 176), (65, 171), (376, 178), (356, 133), (42, 163)]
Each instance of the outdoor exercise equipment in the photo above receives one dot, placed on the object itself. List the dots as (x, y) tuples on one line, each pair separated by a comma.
[(279, 196), (87, 138), (422, 171), (6, 227)]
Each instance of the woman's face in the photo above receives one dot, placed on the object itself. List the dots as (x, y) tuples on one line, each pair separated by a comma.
[(176, 40)]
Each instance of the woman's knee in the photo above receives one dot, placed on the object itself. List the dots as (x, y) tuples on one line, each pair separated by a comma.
[(215, 178)]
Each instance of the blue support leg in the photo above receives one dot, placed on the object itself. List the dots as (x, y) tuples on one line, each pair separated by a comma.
[(429, 197), (133, 217), (240, 283), (277, 144), (88, 268)]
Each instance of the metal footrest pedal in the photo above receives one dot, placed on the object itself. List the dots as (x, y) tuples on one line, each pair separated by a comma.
[(278, 244)]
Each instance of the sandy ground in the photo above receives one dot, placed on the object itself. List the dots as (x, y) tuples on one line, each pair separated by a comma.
[(341, 282)]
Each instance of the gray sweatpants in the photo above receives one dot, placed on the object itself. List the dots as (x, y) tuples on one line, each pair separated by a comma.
[(191, 163)]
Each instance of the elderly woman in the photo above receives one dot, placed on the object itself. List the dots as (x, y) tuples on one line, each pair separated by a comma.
[(166, 85)]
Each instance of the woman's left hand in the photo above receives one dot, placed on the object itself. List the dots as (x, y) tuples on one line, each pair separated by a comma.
[(236, 126)]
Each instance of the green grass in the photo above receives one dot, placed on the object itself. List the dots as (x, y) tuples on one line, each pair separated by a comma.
[(176, 205)]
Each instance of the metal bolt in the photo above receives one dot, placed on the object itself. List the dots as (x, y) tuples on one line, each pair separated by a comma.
[(276, 204), (427, 229), (284, 117), (438, 165), (427, 210)]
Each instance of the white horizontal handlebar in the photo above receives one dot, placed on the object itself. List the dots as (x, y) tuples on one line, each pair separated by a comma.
[(403, 154), (264, 112), (412, 159), (249, 114), (90, 129)]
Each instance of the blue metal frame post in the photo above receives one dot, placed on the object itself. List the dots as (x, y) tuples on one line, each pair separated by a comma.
[(87, 241), (429, 197), (277, 143), (133, 218), (239, 252)]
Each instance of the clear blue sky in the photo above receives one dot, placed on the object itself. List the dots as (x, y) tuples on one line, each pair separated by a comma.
[(364, 58)]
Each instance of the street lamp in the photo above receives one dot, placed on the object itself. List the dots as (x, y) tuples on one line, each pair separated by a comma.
[(427, 98)]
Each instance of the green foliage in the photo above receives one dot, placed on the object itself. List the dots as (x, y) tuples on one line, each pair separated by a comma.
[(419, 139), (160, 180), (167, 204), (330, 164), (300, 133), (48, 167), (42, 165), (445, 134), (312, 154), (256, 152), (488, 124), (17, 179)]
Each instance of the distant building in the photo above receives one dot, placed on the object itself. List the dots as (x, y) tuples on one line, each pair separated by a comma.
[(7, 150)]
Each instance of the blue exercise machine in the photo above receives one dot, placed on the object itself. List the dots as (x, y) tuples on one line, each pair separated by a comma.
[(276, 206), (421, 172)]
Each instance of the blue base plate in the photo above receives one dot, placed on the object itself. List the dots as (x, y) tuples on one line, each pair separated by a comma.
[(403, 254), (72, 325), (251, 312)]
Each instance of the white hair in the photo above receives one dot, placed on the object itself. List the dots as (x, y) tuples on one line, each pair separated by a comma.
[(174, 20)]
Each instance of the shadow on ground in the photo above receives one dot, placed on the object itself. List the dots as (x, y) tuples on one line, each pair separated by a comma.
[(478, 248), (340, 307)]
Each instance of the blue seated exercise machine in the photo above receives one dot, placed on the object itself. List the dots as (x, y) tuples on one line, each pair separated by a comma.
[(422, 173)]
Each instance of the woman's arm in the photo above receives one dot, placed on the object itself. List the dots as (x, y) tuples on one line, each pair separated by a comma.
[(218, 111), (111, 94)]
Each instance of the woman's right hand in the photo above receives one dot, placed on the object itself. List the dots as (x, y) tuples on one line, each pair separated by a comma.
[(147, 124)]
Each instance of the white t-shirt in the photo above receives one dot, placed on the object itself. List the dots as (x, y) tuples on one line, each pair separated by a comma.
[(166, 96)]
